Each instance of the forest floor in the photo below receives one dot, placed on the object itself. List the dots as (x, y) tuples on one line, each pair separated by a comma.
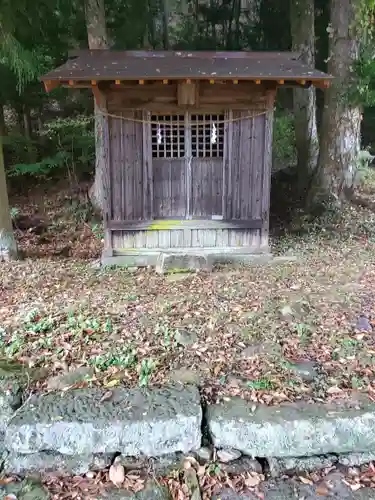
[(270, 334), (301, 330)]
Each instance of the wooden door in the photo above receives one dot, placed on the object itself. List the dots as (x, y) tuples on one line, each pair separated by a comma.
[(207, 151), (169, 166), (187, 153)]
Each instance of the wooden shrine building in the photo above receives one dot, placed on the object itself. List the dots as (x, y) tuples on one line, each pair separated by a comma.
[(187, 143)]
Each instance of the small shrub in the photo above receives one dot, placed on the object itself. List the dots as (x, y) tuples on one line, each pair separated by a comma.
[(284, 142), (146, 369), (68, 146)]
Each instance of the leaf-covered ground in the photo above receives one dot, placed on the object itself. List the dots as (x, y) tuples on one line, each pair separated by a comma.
[(304, 329), (238, 331)]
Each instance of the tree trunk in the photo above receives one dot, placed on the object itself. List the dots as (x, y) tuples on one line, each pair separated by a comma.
[(304, 100), (341, 120), (3, 128), (8, 246), (166, 44), (97, 39)]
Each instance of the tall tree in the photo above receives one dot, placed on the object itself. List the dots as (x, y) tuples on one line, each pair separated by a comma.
[(97, 39), (8, 246), (23, 63), (304, 100), (340, 143)]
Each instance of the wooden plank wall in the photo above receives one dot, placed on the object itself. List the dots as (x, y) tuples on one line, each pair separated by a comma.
[(243, 240), (169, 187), (207, 187), (130, 167), (244, 166), (162, 98)]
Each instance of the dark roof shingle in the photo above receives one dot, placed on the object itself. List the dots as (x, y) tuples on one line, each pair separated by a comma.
[(135, 65)]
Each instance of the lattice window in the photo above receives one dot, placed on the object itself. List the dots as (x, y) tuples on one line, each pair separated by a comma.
[(207, 136), (168, 136)]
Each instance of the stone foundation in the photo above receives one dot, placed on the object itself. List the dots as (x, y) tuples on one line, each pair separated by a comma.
[(77, 431)]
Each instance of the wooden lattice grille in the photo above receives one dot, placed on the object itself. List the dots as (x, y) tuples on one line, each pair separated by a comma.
[(168, 136), (206, 134)]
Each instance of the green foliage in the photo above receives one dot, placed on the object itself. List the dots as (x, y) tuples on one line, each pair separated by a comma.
[(122, 357), (14, 212), (68, 142), (362, 92), (261, 384), (97, 230), (284, 142), (81, 212), (147, 367)]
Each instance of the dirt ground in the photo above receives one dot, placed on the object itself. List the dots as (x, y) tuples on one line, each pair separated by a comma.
[(269, 334), (304, 329)]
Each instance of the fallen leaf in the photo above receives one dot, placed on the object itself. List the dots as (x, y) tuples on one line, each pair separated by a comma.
[(322, 491), (117, 474), (112, 383), (106, 396), (252, 480), (334, 390), (305, 480), (6, 480)]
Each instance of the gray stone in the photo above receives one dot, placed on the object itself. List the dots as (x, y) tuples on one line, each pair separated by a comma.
[(168, 262), (132, 422), (14, 378), (363, 324), (185, 337), (45, 462), (192, 483), (153, 491), (280, 466), (67, 379), (185, 376), (307, 370), (287, 313), (355, 459), (228, 455), (160, 466), (204, 454), (261, 348), (243, 464), (228, 494), (295, 430), (132, 270)]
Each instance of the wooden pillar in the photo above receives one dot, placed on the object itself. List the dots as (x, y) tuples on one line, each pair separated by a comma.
[(102, 134), (148, 184), (266, 181)]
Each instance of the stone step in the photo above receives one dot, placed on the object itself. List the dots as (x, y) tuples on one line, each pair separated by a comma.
[(131, 422), (295, 430)]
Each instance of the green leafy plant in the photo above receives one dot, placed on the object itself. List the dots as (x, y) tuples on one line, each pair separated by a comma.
[(261, 384), (284, 142), (14, 212), (304, 332), (168, 335), (213, 469), (69, 146), (97, 230), (122, 357), (15, 345), (37, 323), (146, 369)]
